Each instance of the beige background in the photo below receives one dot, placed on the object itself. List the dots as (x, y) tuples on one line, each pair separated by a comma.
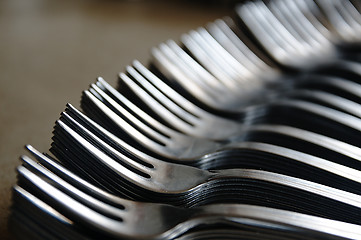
[(52, 50)]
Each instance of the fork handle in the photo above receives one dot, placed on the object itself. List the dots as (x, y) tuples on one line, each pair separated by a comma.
[(266, 217), (288, 181)]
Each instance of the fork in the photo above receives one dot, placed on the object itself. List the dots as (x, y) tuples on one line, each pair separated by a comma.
[(192, 120), (276, 39), (172, 184), (283, 45), (344, 18), (336, 151), (42, 213), (254, 91), (202, 85), (67, 136), (165, 141), (82, 204), (230, 38), (177, 65)]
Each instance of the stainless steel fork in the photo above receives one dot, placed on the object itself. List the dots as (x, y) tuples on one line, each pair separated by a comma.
[(337, 151), (158, 176), (187, 117), (165, 141), (225, 64), (277, 39), (78, 200), (344, 18)]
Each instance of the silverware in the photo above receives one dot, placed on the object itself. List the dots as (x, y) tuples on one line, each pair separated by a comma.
[(91, 207), (123, 117)]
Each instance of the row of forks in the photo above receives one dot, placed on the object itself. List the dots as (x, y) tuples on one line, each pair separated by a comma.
[(248, 129)]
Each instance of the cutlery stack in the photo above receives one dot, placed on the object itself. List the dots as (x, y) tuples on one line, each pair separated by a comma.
[(247, 128)]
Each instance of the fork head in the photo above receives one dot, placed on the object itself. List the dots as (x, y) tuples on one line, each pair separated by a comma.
[(125, 217), (175, 109), (143, 128), (147, 220), (287, 49), (155, 175)]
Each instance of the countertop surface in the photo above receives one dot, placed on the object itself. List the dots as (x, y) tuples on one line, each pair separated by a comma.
[(51, 50)]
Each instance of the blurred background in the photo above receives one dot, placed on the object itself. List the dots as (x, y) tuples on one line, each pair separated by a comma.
[(51, 50)]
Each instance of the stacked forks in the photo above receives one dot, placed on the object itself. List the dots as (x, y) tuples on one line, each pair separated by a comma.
[(247, 129)]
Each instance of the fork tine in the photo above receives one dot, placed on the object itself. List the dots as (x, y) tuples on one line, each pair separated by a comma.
[(207, 41), (338, 17), (189, 66), (176, 97), (278, 10), (116, 175), (75, 180), (169, 69), (182, 114), (167, 90), (277, 41), (99, 154), (208, 59), (269, 42), (164, 107), (143, 166), (282, 36), (327, 143), (180, 57), (72, 191), (107, 136), (309, 24), (132, 128), (29, 213), (297, 24), (229, 89), (125, 147), (68, 205), (228, 39), (267, 17)]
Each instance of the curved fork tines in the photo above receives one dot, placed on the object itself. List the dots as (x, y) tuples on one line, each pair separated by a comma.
[(175, 143), (178, 111), (126, 124), (238, 71), (334, 168), (289, 12), (75, 180), (343, 17), (171, 144), (273, 27), (209, 59), (220, 30), (188, 65), (203, 124), (193, 85), (130, 227), (272, 44), (161, 176), (342, 148), (178, 172), (72, 207), (287, 33), (73, 191)]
